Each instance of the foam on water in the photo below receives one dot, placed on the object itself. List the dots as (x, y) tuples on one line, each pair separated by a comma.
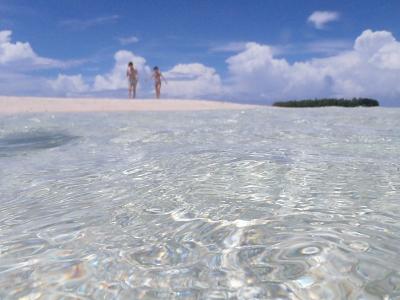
[(270, 203)]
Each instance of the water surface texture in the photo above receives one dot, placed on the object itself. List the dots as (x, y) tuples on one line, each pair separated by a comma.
[(257, 204)]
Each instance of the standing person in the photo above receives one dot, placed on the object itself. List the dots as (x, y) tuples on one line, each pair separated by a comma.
[(132, 75), (157, 76)]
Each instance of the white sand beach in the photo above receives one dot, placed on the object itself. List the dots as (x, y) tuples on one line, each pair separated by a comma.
[(11, 105)]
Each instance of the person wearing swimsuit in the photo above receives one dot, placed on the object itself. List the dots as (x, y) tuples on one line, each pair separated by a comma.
[(132, 75), (157, 76)]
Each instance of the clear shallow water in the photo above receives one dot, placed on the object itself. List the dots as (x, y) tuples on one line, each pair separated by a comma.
[(274, 203)]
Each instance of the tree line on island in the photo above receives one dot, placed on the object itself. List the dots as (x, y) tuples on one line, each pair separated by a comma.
[(329, 102)]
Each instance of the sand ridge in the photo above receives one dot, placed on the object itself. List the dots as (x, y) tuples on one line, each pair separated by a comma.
[(12, 105)]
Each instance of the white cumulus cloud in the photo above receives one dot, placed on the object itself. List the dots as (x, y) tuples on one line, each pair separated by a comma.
[(116, 78), (68, 85), (192, 80), (18, 59), (370, 69), (321, 18), (21, 53), (184, 80), (255, 73)]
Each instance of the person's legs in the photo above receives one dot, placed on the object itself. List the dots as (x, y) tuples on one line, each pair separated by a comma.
[(158, 90), (134, 90), (129, 91)]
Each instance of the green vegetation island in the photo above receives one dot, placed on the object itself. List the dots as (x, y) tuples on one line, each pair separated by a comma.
[(329, 102)]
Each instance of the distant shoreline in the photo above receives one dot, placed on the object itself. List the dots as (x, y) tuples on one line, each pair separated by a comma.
[(323, 102), (14, 105)]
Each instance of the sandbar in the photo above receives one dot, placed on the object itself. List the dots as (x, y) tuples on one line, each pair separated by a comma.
[(13, 105)]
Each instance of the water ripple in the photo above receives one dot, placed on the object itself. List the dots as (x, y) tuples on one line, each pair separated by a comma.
[(266, 204)]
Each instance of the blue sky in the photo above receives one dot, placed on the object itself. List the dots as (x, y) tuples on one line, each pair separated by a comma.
[(82, 38)]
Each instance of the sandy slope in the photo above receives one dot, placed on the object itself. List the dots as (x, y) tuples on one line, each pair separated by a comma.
[(10, 105)]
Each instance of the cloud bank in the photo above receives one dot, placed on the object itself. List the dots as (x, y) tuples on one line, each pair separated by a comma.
[(370, 68)]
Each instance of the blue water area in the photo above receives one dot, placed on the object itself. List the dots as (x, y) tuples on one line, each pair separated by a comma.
[(22, 142), (268, 203)]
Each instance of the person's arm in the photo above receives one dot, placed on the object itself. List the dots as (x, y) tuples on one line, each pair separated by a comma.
[(163, 78)]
